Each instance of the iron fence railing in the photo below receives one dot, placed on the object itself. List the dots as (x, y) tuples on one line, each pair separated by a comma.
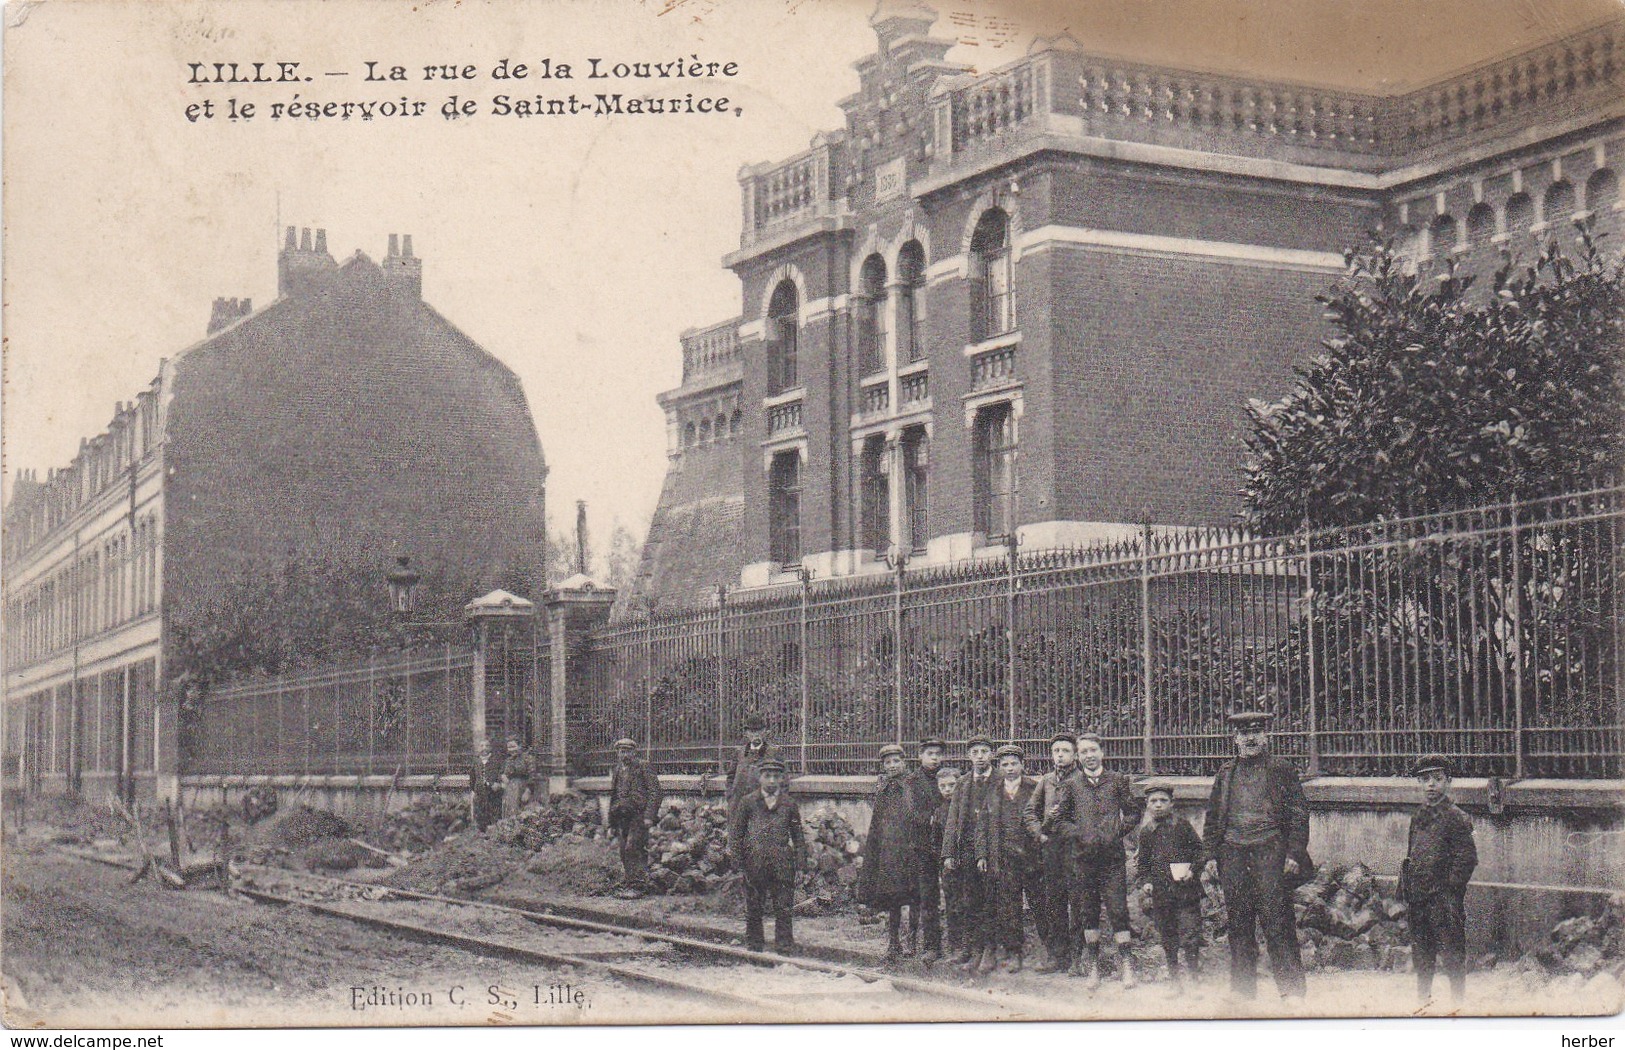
[(1492, 635), (397, 715)]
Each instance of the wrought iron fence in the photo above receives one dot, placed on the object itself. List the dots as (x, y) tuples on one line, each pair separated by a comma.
[(408, 713), (1492, 635)]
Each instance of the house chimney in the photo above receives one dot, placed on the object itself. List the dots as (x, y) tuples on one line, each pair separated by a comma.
[(402, 270), (227, 312), (301, 263), (581, 537)]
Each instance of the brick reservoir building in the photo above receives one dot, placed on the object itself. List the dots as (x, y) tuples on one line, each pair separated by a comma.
[(318, 437), (1034, 302)]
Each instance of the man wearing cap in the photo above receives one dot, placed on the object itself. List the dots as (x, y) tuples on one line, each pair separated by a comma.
[(766, 843), (486, 794), (1054, 855), (1440, 858), (969, 888), (1004, 853), (1096, 811), (886, 881), (1257, 838), (744, 777), (925, 800), (518, 773), (634, 804)]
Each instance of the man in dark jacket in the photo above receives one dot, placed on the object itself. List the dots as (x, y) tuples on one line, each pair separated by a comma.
[(518, 779), (1005, 854), (968, 888), (1095, 812), (485, 796), (1169, 864), (1440, 858), (925, 800), (744, 777), (634, 804), (765, 839), (886, 881), (1257, 839), (1053, 916)]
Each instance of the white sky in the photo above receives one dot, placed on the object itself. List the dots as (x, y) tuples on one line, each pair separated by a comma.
[(574, 249)]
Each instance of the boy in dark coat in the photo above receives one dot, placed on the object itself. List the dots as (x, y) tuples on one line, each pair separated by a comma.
[(1054, 857), (764, 836), (968, 887), (1440, 858), (744, 777), (483, 781), (1096, 811), (1170, 867), (925, 800), (886, 881), (1005, 854), (953, 927)]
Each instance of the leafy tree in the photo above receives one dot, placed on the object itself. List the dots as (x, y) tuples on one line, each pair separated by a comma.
[(1429, 396)]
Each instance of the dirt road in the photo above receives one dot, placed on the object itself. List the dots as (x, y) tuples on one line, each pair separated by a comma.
[(84, 949)]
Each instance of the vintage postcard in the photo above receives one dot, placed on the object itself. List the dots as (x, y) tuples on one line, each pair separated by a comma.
[(676, 511)]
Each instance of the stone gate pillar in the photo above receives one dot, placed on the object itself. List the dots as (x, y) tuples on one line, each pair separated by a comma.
[(573, 607), (493, 616)]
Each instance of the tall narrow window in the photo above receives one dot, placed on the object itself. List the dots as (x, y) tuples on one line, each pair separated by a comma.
[(995, 468), (915, 463), (782, 311), (784, 508), (992, 304), (871, 316), (875, 512), (910, 281)]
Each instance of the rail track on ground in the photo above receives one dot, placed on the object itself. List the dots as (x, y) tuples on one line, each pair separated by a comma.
[(732, 980)]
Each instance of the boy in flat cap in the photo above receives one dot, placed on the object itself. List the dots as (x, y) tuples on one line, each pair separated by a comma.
[(886, 880), (765, 839), (1053, 916), (1257, 839), (518, 773), (484, 787), (1170, 867), (634, 804), (926, 804), (968, 886), (1440, 858), (1004, 854), (1097, 810)]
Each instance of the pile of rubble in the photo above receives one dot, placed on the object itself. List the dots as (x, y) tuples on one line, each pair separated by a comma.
[(426, 823), (1348, 921), (1585, 945), (567, 815)]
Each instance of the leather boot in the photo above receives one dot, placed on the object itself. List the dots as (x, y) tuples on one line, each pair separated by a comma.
[(1015, 962), (988, 962), (1091, 976), (1051, 962), (963, 956), (912, 946)]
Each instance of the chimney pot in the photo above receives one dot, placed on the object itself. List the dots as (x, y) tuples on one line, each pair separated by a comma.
[(248, 307), (321, 241), (304, 239), (394, 245), (291, 243), (406, 245)]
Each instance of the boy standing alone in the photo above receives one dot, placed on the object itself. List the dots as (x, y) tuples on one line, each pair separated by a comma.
[(764, 834), (1170, 864), (1440, 858)]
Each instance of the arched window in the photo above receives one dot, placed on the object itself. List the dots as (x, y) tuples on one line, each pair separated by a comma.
[(1558, 206), (1520, 215), (782, 314), (992, 304), (1602, 193), (1480, 226), (871, 316), (1442, 236), (915, 466), (910, 282)]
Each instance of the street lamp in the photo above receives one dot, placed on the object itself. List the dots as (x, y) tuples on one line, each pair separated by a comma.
[(403, 583)]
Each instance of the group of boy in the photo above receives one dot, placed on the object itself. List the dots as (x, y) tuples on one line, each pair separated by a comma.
[(966, 853)]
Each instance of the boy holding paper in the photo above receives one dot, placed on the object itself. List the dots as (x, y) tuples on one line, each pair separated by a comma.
[(1170, 867)]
